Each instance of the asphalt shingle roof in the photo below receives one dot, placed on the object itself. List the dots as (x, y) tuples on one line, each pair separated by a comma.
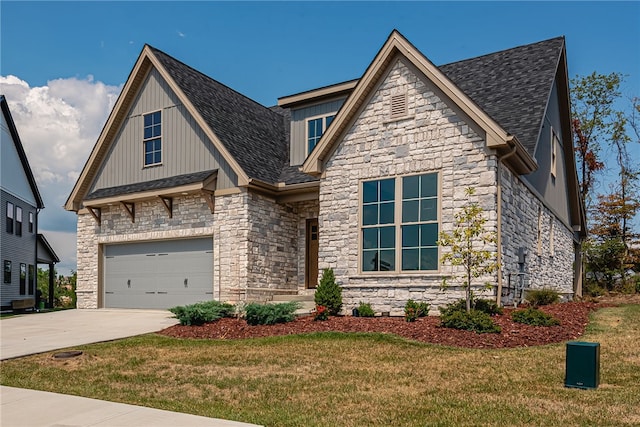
[(158, 184), (252, 133), (511, 86)]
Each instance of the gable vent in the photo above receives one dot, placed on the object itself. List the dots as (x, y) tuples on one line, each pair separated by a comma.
[(398, 105)]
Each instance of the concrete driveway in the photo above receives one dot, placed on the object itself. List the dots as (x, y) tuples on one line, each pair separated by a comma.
[(40, 332)]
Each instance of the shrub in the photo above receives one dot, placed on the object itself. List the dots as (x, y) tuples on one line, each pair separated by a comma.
[(202, 312), (533, 316), (476, 321), (365, 310), (269, 314), (484, 305), (544, 296), (328, 293), (413, 310), (321, 313)]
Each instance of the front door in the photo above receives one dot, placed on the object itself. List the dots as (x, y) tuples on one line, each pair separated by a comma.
[(311, 262)]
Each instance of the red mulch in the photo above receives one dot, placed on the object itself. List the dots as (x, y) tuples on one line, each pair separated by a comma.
[(573, 317)]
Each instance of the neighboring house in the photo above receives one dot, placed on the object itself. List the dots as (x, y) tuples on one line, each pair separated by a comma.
[(194, 191), (21, 247)]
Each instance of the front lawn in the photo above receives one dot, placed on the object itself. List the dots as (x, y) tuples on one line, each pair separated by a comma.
[(336, 379)]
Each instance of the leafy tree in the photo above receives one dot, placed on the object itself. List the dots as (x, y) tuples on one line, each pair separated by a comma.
[(468, 242), (64, 288)]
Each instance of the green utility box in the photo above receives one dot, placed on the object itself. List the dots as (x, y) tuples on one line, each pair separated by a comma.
[(583, 365)]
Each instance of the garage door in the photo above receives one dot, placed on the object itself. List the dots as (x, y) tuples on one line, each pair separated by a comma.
[(160, 274)]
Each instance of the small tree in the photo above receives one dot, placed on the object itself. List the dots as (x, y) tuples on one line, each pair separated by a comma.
[(467, 242), (328, 293)]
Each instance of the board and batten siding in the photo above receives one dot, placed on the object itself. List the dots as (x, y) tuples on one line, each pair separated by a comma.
[(555, 190), (299, 116), (13, 178), (185, 146)]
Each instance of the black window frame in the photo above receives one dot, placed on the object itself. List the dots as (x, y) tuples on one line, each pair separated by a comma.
[(23, 278), (9, 215), (7, 271), (152, 138), (18, 221), (31, 222)]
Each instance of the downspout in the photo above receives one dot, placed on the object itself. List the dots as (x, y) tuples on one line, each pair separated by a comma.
[(499, 209)]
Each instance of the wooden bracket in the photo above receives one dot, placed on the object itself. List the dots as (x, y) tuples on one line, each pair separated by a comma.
[(130, 208), (167, 202), (96, 213), (210, 199)]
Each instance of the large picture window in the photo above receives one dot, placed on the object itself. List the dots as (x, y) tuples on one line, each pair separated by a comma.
[(315, 128), (152, 139), (399, 224)]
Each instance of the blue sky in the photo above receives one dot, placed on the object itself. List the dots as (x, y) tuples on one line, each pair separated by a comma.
[(69, 60)]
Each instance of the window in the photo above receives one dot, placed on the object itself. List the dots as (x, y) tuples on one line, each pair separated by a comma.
[(405, 237), (152, 139), (315, 128), (30, 222), (23, 279), (7, 271), (32, 279), (18, 221), (9, 226), (555, 142)]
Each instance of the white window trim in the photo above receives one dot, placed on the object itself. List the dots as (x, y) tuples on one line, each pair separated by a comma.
[(144, 140), (324, 128), (397, 223)]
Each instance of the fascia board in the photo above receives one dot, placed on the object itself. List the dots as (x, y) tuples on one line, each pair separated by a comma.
[(496, 136), (114, 120)]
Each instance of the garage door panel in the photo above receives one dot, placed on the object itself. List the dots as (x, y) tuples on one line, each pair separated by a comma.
[(159, 274)]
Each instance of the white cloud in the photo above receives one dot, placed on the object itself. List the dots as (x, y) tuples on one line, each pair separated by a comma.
[(58, 125)]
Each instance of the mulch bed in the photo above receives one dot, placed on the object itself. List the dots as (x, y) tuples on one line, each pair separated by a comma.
[(573, 317)]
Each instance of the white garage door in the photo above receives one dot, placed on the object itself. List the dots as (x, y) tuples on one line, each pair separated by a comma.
[(160, 274)]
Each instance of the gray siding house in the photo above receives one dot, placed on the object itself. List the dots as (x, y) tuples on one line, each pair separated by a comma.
[(20, 202), (195, 192)]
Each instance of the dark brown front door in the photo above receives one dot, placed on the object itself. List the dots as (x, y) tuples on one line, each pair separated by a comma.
[(311, 262)]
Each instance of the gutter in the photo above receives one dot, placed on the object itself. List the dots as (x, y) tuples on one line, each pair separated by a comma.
[(510, 139)]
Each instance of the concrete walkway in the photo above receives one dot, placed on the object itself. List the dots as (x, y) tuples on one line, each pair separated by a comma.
[(29, 408), (41, 332)]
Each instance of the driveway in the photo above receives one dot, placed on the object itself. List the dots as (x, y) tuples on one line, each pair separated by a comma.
[(40, 332)]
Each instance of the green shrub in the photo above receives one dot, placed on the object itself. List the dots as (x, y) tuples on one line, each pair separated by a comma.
[(365, 310), (329, 293), (202, 312), (544, 296), (269, 314), (413, 310), (533, 316), (476, 321), (593, 289), (484, 305)]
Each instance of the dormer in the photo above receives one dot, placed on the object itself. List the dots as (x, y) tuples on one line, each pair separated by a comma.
[(311, 114)]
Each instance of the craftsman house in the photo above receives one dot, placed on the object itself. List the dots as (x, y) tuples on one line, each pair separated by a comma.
[(194, 191), (21, 247)]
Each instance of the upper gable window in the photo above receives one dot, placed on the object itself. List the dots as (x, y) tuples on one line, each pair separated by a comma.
[(555, 142), (152, 139), (9, 219), (315, 128)]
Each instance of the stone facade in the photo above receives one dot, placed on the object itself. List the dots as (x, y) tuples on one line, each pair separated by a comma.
[(548, 243), (258, 244), (433, 137)]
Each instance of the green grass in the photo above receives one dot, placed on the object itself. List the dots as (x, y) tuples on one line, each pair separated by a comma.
[(353, 379)]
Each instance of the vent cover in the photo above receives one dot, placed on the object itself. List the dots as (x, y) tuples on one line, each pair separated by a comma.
[(398, 105)]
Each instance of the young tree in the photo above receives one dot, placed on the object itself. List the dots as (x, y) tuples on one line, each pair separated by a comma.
[(468, 242)]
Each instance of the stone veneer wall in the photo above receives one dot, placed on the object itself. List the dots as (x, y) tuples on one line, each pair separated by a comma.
[(546, 264), (432, 138), (256, 242)]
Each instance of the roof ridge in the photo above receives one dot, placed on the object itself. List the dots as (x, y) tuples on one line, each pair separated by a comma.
[(502, 51)]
